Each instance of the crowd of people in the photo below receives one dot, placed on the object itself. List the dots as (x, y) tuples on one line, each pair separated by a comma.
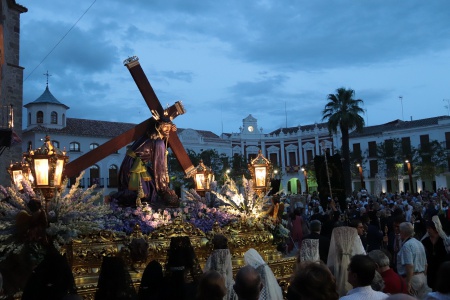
[(390, 247), (403, 237)]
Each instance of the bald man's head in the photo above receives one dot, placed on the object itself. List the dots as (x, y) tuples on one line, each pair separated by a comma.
[(248, 283)]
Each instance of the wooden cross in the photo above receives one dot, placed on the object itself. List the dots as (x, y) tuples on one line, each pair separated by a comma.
[(85, 161)]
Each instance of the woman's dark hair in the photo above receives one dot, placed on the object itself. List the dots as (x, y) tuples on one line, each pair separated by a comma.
[(152, 282), (312, 281), (443, 278), (51, 279), (220, 241), (181, 259), (364, 267), (211, 286), (114, 281), (180, 254)]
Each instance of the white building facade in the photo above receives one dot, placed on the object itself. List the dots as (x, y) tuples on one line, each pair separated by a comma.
[(289, 149)]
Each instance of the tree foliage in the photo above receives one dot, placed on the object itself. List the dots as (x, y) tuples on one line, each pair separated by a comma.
[(343, 111)]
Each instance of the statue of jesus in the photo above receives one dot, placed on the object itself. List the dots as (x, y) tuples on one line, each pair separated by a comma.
[(145, 166)]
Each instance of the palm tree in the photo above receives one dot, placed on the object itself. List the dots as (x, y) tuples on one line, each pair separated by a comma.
[(344, 112)]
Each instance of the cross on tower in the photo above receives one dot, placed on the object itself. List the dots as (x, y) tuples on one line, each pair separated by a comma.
[(85, 161), (48, 75)]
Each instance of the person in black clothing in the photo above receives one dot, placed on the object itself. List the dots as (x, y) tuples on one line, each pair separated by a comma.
[(324, 242), (436, 253), (52, 279), (181, 262), (114, 281), (374, 232), (152, 282)]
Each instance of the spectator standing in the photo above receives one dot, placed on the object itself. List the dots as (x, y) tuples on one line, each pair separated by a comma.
[(412, 262), (361, 272), (248, 283), (312, 281), (114, 281), (345, 243), (442, 284), (435, 251), (323, 241), (211, 286), (271, 289), (152, 282), (393, 283)]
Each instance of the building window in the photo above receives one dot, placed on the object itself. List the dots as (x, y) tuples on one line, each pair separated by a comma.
[(113, 178), (273, 157), (372, 149), (93, 146), (64, 120), (406, 147), (74, 147), (54, 117), (55, 144), (357, 150), (373, 164), (292, 159), (29, 118), (39, 117), (94, 173), (30, 145), (389, 147), (309, 156)]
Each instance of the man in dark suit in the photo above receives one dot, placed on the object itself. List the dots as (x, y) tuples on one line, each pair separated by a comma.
[(324, 242)]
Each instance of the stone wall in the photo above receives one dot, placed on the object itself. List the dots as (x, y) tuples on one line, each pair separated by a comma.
[(11, 79)]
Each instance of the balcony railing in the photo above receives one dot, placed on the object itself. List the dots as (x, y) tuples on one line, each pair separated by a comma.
[(100, 182)]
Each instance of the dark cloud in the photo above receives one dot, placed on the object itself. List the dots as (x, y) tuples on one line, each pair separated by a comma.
[(273, 59)]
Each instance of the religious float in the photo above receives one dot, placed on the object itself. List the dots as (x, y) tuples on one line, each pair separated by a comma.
[(39, 210)]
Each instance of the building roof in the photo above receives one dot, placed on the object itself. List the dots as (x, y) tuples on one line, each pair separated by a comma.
[(300, 127), (46, 98), (84, 127), (397, 125), (203, 133)]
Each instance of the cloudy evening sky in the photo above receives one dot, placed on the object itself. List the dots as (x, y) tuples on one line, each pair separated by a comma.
[(275, 59)]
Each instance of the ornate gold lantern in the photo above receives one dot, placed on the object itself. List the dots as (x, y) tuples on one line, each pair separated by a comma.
[(18, 171), (47, 165), (261, 172), (203, 178)]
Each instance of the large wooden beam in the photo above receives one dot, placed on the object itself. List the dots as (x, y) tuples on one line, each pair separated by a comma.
[(85, 161), (153, 103)]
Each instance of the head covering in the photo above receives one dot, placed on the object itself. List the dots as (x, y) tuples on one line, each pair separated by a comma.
[(152, 282), (220, 261), (344, 244), (271, 290)]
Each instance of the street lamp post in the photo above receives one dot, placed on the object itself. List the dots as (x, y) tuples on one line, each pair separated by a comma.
[(305, 174), (361, 177), (408, 163)]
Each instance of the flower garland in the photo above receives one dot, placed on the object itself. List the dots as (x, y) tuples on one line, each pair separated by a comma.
[(76, 212)]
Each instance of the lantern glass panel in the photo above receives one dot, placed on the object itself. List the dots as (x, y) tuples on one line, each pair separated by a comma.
[(200, 181), (41, 168), (260, 174), (18, 177), (58, 171)]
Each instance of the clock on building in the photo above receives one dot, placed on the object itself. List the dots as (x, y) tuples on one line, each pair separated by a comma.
[(250, 128)]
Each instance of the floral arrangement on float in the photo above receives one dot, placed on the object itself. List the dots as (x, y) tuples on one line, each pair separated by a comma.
[(25, 221)]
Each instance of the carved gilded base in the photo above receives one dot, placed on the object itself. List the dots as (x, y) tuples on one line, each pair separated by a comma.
[(85, 254)]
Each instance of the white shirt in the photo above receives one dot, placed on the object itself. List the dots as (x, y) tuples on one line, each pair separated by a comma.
[(364, 292)]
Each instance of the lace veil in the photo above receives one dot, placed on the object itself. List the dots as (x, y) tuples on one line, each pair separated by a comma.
[(271, 289), (309, 250), (344, 244), (220, 261)]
